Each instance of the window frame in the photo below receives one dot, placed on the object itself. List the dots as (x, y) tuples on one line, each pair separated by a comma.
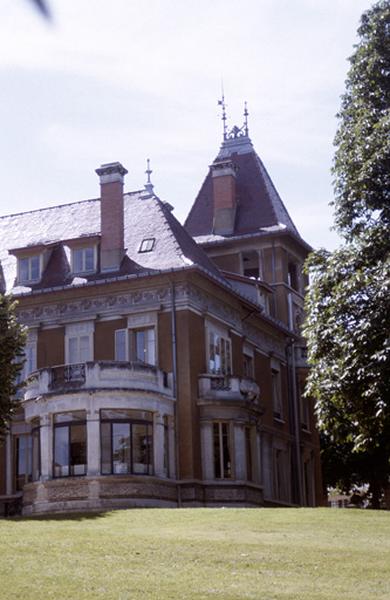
[(130, 421), (225, 350), (69, 424), (78, 331), (225, 462), (29, 258), (83, 250), (276, 392)]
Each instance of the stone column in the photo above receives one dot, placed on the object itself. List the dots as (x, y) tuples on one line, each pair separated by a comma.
[(239, 451), (46, 432), (93, 442), (158, 445), (206, 433), (256, 455), (8, 465)]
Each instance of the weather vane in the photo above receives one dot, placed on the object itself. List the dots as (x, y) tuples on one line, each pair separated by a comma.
[(222, 103), (246, 119)]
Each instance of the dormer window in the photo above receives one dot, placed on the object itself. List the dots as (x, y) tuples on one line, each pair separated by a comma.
[(84, 260), (29, 269)]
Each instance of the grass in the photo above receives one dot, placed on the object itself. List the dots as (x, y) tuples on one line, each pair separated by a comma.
[(232, 554)]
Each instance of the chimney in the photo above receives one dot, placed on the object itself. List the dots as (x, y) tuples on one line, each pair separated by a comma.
[(111, 215), (223, 174)]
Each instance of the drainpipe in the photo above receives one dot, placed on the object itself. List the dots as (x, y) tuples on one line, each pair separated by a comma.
[(290, 352), (174, 386)]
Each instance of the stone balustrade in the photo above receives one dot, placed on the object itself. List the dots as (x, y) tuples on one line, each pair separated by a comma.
[(95, 375)]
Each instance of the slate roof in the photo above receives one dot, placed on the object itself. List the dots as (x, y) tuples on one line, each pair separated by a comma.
[(145, 216), (260, 208)]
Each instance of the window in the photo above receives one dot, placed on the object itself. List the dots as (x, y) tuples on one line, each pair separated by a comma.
[(303, 406), (219, 354), (248, 452), (27, 458), (143, 345), (79, 343), (147, 245), (30, 356), (84, 260), (276, 394), (221, 442), (292, 276), (251, 266), (248, 362), (29, 269), (126, 442), (70, 444)]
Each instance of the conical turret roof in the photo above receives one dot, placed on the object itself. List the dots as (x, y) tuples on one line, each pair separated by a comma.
[(259, 206)]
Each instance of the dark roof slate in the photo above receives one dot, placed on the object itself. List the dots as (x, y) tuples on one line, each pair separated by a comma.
[(259, 204), (145, 217)]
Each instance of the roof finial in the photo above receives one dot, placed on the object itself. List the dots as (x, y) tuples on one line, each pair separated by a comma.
[(222, 103), (148, 184), (246, 119)]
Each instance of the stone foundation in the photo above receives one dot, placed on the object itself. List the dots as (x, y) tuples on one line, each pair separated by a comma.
[(85, 494)]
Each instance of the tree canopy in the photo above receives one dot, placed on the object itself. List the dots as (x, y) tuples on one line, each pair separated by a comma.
[(348, 304), (12, 340)]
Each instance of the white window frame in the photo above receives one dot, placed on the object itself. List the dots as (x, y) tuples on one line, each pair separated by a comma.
[(83, 250), (144, 321), (29, 278), (223, 334), (79, 330)]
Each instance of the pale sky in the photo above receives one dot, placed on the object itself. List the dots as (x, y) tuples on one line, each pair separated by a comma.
[(129, 80)]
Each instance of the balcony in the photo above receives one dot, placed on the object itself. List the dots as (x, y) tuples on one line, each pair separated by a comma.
[(97, 375), (227, 388)]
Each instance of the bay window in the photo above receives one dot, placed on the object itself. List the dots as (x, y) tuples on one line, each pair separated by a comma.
[(27, 458), (222, 452), (126, 442), (70, 444)]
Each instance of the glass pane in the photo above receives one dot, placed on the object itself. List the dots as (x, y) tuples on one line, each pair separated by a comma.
[(85, 353), (78, 449), (211, 353), (226, 451), (73, 346), (120, 344), (135, 415), (76, 415), (217, 342), (34, 265), (61, 451), (23, 269), (140, 345), (142, 449), (78, 260), (217, 451), (105, 432), (36, 462), (121, 448), (151, 347), (89, 259)]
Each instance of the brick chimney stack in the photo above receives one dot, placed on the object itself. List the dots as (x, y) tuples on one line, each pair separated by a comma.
[(111, 215), (224, 196)]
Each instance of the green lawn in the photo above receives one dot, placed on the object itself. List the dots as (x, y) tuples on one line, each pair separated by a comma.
[(265, 554)]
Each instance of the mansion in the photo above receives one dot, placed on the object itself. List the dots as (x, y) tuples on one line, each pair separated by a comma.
[(164, 363)]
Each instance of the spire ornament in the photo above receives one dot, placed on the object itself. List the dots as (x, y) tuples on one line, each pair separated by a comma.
[(148, 185), (222, 103)]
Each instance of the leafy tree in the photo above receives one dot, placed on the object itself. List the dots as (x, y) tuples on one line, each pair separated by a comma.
[(348, 304), (12, 340)]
